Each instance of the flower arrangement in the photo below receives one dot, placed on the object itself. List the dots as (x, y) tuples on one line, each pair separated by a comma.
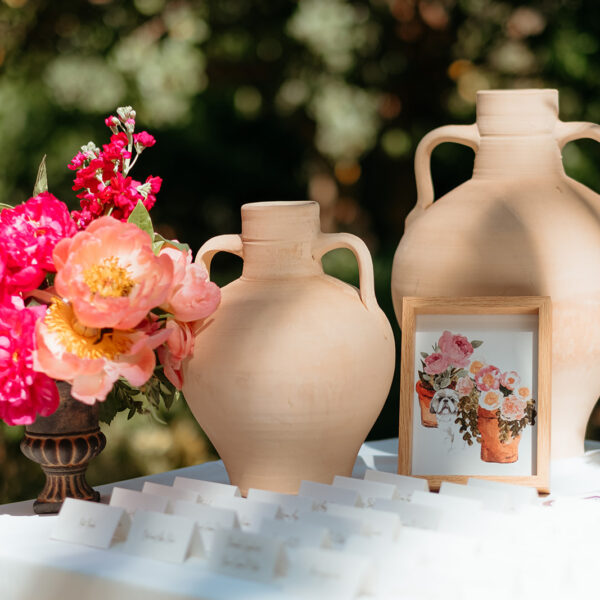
[(95, 297)]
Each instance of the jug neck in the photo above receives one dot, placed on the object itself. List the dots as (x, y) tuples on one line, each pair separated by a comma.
[(278, 240), (516, 130)]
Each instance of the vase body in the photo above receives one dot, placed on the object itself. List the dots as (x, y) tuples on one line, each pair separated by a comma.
[(428, 419), (290, 373), (519, 227), (63, 444), (492, 449)]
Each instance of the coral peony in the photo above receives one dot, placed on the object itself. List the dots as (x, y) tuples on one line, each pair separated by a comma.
[(456, 348), (476, 366), (488, 378), (29, 233), (192, 296), (464, 386), (25, 393), (178, 347), (92, 359), (510, 380), (490, 400), (512, 408), (110, 274), (436, 363)]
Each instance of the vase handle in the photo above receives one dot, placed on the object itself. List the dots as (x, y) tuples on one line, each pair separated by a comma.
[(331, 241), (467, 135), (231, 243), (576, 130)]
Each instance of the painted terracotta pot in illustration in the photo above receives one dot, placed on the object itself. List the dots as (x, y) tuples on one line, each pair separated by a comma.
[(492, 449), (290, 373), (428, 419), (518, 227)]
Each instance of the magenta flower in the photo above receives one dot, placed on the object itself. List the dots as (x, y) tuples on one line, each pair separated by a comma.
[(457, 349), (436, 363), (143, 139), (488, 378), (25, 393)]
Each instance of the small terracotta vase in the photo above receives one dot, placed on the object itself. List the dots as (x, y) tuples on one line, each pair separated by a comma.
[(290, 373), (63, 444), (492, 449), (428, 419), (519, 227)]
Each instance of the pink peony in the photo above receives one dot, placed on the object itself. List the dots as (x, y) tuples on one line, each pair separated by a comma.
[(488, 378), (436, 363), (89, 358), (29, 233), (192, 296), (110, 274), (510, 380), (25, 393), (464, 386), (512, 408), (178, 347), (490, 400), (456, 347)]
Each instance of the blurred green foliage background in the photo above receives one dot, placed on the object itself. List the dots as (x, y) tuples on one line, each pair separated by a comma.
[(267, 100)]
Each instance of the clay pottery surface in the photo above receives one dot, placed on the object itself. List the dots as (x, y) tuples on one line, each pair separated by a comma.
[(63, 444), (428, 419), (290, 373), (519, 227), (492, 449)]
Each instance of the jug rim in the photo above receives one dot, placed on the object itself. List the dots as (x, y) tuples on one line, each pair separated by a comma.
[(278, 203), (518, 92)]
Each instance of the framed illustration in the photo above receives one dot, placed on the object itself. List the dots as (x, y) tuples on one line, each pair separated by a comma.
[(475, 389)]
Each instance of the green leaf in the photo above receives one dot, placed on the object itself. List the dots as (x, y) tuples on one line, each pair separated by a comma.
[(159, 239), (141, 217), (476, 343), (41, 181), (3, 206), (424, 354)]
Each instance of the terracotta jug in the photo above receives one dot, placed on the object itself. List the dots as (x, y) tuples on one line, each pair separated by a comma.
[(290, 373), (520, 226)]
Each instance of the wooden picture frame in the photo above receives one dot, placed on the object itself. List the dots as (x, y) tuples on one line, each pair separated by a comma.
[(477, 402)]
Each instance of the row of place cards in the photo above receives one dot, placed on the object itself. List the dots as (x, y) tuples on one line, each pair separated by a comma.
[(353, 536)]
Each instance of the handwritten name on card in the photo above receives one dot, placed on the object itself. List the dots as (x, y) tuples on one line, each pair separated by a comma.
[(412, 515), (246, 555), (132, 500), (368, 491), (250, 513), (323, 494), (88, 523), (374, 523), (404, 484), (208, 492), (157, 489), (160, 536), (325, 573), (296, 535), (208, 519), (290, 506), (339, 528)]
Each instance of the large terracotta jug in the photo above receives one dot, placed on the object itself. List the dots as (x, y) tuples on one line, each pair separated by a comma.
[(290, 373), (520, 226)]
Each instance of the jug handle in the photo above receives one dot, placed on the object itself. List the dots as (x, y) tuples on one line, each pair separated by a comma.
[(331, 241), (576, 130), (221, 243), (467, 135)]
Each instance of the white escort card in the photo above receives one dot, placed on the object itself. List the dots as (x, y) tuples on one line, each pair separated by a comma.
[(339, 528), (132, 500), (491, 499), (208, 519), (404, 484), (296, 535), (368, 491), (88, 523), (374, 523), (247, 555), (157, 489), (250, 513), (326, 574), (322, 495), (445, 502), (412, 515), (290, 506), (160, 536), (518, 495), (208, 492)]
